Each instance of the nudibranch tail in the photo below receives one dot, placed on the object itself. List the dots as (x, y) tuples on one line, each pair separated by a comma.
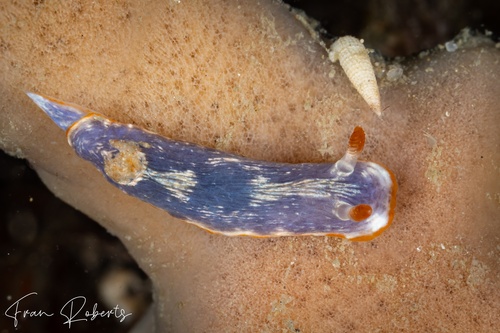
[(354, 60), (63, 114), (229, 194)]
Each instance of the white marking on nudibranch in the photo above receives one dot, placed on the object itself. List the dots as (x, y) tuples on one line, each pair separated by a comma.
[(179, 183), (220, 160), (251, 167), (354, 60), (263, 191)]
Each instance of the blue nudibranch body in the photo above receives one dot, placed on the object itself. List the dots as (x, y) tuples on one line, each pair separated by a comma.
[(228, 194)]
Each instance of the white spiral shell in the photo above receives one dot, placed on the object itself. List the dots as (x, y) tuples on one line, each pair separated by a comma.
[(354, 60)]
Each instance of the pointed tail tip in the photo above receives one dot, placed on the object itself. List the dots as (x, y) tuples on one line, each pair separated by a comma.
[(31, 95), (38, 99), (63, 114)]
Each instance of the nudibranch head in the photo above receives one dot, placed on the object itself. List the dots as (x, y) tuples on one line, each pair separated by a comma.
[(229, 194)]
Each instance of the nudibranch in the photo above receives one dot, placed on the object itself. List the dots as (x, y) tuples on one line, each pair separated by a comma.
[(228, 194)]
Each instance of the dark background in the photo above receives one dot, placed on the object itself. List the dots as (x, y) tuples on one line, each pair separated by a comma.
[(48, 247), (403, 27)]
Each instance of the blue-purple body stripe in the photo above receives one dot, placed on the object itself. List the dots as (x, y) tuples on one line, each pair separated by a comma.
[(221, 200), (229, 194)]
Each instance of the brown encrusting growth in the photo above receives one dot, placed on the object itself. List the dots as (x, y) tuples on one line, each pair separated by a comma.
[(128, 165), (247, 78)]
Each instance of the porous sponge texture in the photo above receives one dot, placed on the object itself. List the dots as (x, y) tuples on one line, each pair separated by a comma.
[(200, 78)]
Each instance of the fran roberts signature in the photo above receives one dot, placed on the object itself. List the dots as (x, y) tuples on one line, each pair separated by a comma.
[(72, 311)]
